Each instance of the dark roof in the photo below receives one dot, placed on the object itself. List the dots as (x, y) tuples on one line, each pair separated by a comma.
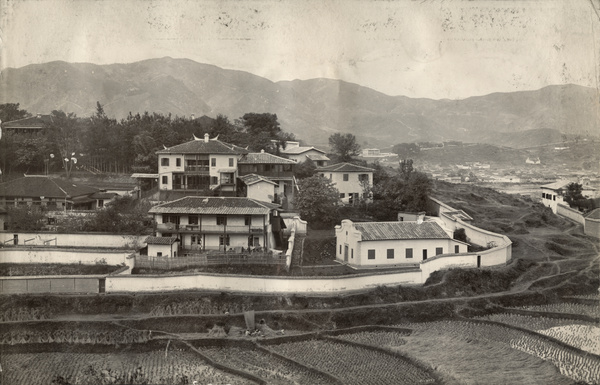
[(556, 185), (374, 231), (594, 214), (251, 179), (200, 146), (263, 157), (300, 150), (214, 205), (345, 167), (40, 185), (161, 240), (103, 195), (38, 121)]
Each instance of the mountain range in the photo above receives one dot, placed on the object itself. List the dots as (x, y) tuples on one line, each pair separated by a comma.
[(311, 109)]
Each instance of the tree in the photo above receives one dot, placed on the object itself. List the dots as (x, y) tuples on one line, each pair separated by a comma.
[(64, 134), (305, 169), (317, 200), (26, 218), (11, 111), (574, 194), (344, 146)]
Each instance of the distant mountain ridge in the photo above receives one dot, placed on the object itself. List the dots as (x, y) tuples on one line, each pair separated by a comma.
[(312, 109)]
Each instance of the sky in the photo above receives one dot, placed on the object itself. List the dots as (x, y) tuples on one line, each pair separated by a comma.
[(433, 49)]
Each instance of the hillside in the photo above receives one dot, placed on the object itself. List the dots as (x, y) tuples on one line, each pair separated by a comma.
[(312, 109)]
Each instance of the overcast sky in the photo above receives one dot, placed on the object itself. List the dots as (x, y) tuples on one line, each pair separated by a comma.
[(435, 49)]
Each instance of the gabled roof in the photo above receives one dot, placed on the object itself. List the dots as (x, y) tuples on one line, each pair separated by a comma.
[(299, 150), (345, 167), (41, 185), (215, 205), (38, 121), (251, 179), (263, 157), (201, 146), (375, 231), (316, 157), (161, 240), (561, 184)]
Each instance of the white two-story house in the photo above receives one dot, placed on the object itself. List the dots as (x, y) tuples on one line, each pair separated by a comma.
[(352, 181), (203, 166), (216, 223)]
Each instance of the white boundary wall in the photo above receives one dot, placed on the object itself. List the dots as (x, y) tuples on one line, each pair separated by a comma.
[(53, 255), (568, 212), (260, 284)]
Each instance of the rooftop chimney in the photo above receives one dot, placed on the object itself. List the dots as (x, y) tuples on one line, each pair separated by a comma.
[(420, 217), (206, 138), (193, 116), (262, 151)]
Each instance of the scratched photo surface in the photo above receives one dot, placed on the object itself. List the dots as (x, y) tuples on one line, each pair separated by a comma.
[(484, 115)]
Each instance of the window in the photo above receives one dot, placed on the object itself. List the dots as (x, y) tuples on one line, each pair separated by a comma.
[(439, 250), (390, 253), (424, 254), (214, 180), (456, 249), (342, 195), (100, 202), (329, 176), (543, 195), (345, 177), (221, 220), (371, 254), (223, 240), (178, 162), (193, 219), (401, 219), (409, 253), (213, 162), (164, 162), (247, 220), (165, 179), (159, 254), (230, 162), (352, 253), (363, 178), (553, 197), (340, 249)]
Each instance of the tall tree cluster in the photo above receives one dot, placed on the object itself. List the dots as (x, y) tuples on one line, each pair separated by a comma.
[(102, 144)]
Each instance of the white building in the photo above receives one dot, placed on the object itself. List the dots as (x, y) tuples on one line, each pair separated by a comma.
[(349, 179), (389, 244), (300, 154), (199, 165), (218, 223)]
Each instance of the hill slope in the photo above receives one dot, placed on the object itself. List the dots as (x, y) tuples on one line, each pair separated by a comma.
[(312, 109)]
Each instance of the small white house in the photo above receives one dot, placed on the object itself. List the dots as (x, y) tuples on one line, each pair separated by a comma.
[(258, 187), (301, 153), (391, 244), (162, 246), (350, 179)]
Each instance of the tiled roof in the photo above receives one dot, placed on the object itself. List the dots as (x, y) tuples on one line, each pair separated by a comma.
[(214, 205), (199, 146), (160, 240), (251, 179), (374, 231), (299, 150), (316, 157), (40, 185), (556, 185), (38, 121), (345, 167), (103, 195), (263, 157)]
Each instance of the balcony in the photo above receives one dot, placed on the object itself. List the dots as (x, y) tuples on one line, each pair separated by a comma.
[(197, 169), (209, 229)]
